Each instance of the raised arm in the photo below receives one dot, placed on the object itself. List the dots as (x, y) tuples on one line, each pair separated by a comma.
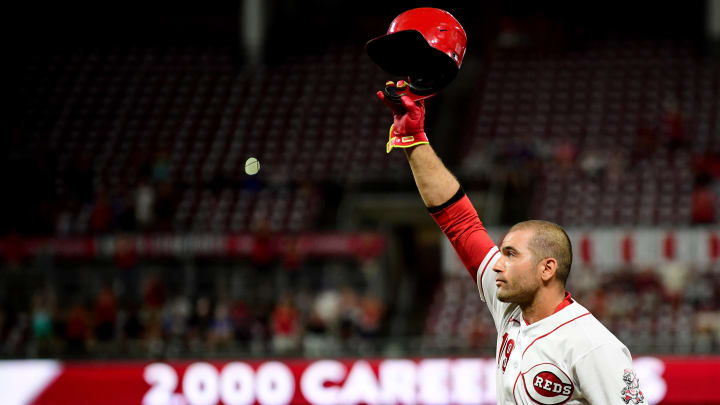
[(445, 199), (452, 211), (440, 190), (434, 181)]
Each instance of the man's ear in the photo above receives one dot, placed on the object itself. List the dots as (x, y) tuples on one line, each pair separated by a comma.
[(549, 268)]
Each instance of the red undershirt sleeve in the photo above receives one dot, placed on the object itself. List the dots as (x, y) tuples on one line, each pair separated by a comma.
[(459, 220)]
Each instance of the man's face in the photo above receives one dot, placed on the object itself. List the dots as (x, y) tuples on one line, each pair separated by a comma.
[(516, 272)]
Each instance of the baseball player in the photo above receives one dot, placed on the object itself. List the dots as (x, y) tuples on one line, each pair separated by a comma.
[(550, 349)]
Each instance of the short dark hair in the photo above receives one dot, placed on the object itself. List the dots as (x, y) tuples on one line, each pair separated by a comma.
[(549, 240)]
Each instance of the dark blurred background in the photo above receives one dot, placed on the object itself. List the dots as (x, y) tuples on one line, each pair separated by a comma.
[(130, 229)]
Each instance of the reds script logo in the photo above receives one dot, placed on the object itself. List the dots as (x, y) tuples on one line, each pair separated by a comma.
[(546, 384), (631, 392)]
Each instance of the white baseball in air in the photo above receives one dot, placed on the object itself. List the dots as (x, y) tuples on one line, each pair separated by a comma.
[(252, 166)]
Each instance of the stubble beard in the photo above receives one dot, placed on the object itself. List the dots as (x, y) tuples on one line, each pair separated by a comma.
[(520, 295)]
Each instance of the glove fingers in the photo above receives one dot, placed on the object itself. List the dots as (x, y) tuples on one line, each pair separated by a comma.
[(396, 109)]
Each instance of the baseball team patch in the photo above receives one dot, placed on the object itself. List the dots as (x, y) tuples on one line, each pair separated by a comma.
[(546, 384), (631, 393)]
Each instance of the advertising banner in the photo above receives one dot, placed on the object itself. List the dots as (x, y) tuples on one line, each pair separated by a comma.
[(663, 380), (358, 245)]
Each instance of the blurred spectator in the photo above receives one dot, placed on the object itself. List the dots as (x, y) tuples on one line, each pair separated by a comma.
[(263, 257), (77, 330), (565, 153), (221, 327), (674, 277), (17, 333), (199, 322), (153, 336), (105, 314), (285, 326), (370, 317), (132, 327), (707, 324), (100, 218), (154, 293), (327, 307), (175, 318), (704, 204), (318, 339), (144, 205), (673, 123), (593, 164), (260, 331), (242, 321), (42, 324), (350, 313), (262, 254), (647, 280), (616, 168), (125, 260), (291, 265)]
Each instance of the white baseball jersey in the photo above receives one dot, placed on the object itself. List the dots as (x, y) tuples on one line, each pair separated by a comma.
[(568, 357)]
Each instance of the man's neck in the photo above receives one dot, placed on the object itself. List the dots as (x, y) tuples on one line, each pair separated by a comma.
[(545, 304)]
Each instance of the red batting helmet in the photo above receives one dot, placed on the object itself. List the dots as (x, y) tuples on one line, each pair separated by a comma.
[(425, 44)]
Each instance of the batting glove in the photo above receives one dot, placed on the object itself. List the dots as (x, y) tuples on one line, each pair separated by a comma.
[(408, 128)]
